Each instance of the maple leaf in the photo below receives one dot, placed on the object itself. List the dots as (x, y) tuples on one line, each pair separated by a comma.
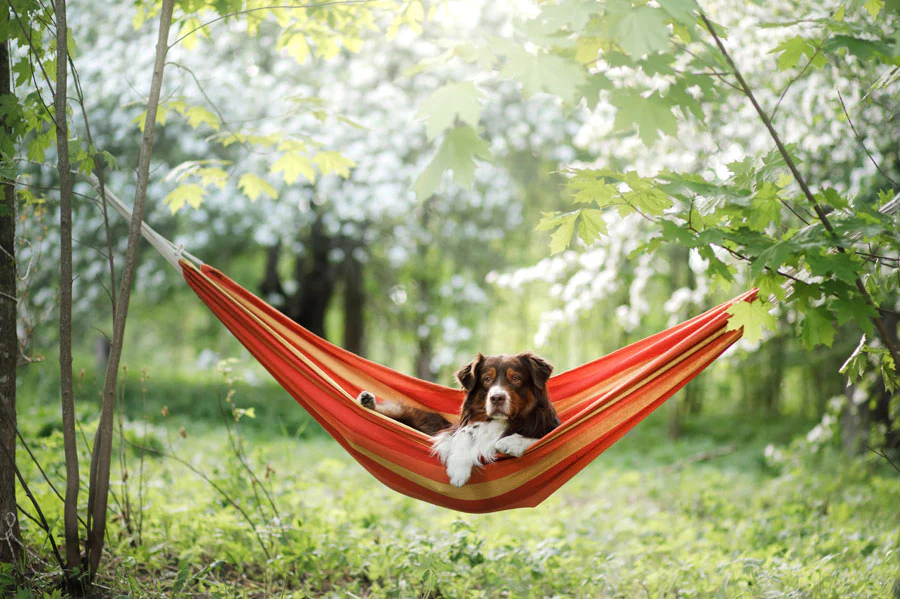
[(252, 185), (453, 101), (543, 73), (294, 164), (458, 151), (753, 317), (651, 115), (191, 194)]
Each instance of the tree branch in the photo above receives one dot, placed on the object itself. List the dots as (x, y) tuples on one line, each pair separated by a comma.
[(252, 10), (794, 80), (860, 141), (881, 453), (36, 505), (98, 167), (801, 181), (102, 452)]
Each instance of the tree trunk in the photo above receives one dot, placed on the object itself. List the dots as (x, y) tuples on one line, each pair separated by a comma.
[(423, 359), (70, 443), (354, 304), (316, 279), (9, 342), (271, 288), (424, 290), (101, 456)]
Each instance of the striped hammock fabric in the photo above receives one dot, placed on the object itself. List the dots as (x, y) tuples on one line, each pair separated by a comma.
[(597, 402)]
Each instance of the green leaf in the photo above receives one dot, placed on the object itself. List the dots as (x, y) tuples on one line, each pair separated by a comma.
[(863, 49), (588, 188), (843, 266), (791, 51), (753, 317), (770, 283), (198, 115), (765, 209), (252, 185), (772, 257), (873, 7), (639, 30), (645, 195), (817, 328), (683, 11), (453, 101), (212, 176), (333, 163), (543, 73), (295, 45), (652, 115), (591, 225), (294, 164), (854, 308), (458, 151), (571, 14), (39, 144), (191, 194), (562, 236)]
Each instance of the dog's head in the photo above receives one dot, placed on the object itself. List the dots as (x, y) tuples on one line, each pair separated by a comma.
[(510, 388)]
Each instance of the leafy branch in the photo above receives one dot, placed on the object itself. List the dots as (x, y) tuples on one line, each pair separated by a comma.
[(801, 181), (265, 8)]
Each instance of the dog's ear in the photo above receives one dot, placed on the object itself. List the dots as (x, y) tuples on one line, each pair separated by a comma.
[(468, 374), (539, 368)]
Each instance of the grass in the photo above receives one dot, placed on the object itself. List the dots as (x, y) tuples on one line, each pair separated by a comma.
[(641, 521)]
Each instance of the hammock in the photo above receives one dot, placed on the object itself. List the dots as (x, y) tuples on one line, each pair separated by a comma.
[(597, 402)]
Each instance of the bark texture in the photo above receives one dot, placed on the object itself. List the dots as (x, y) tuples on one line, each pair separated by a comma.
[(9, 342)]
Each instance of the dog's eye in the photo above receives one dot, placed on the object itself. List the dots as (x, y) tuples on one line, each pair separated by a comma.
[(487, 380), (516, 379)]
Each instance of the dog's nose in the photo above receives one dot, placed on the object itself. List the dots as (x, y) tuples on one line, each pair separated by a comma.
[(497, 398)]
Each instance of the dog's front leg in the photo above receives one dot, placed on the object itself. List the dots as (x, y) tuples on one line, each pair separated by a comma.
[(514, 445), (455, 452)]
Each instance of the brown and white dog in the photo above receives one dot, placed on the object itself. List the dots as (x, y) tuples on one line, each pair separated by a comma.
[(506, 410)]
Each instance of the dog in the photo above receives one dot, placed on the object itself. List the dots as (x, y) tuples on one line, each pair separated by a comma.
[(507, 409)]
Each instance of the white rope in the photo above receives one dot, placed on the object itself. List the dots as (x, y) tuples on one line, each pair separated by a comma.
[(168, 250)]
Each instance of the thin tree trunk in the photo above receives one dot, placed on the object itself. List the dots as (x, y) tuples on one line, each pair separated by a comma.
[(425, 285), (70, 511), (354, 304), (101, 457), (271, 288), (9, 342)]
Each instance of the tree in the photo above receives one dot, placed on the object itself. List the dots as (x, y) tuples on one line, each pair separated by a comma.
[(825, 248), (44, 34), (9, 341)]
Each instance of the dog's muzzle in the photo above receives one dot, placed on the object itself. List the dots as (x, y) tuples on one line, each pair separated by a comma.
[(497, 403)]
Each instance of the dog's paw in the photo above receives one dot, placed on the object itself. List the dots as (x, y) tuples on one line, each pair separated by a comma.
[(514, 445), (459, 474), (367, 400)]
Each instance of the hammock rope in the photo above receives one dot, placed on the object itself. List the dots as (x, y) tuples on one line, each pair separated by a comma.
[(597, 402)]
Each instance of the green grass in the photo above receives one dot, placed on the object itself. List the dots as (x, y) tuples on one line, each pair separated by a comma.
[(641, 521)]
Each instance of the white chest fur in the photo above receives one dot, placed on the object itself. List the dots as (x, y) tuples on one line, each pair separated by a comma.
[(468, 446)]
